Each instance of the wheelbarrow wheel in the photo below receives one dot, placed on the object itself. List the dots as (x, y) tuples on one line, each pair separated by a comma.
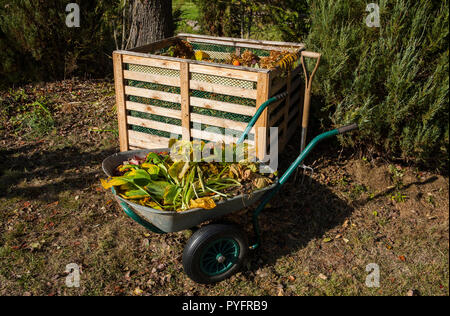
[(214, 253)]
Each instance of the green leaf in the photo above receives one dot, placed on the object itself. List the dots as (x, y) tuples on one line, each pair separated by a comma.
[(153, 158), (135, 194), (157, 188), (151, 169), (179, 169), (170, 194)]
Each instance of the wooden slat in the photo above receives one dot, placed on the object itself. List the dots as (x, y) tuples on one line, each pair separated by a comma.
[(262, 123), (148, 61), (296, 71), (275, 107), (292, 128), (151, 109), (149, 48), (152, 94), (224, 72), (286, 107), (214, 137), (276, 85), (276, 116), (221, 89), (242, 40), (154, 125), (120, 102), (292, 114), (185, 101), (148, 141), (217, 121), (146, 77), (243, 45), (223, 106), (174, 61), (295, 98), (296, 85)]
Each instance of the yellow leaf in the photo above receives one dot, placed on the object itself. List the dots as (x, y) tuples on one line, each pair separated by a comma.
[(138, 291), (200, 55), (112, 182), (262, 182), (205, 202)]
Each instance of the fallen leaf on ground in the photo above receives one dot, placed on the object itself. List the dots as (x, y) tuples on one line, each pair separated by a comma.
[(138, 291), (323, 277)]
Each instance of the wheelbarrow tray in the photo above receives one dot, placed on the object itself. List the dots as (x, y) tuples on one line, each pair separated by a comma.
[(170, 221)]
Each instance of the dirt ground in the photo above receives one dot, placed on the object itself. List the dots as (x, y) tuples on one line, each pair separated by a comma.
[(319, 236)]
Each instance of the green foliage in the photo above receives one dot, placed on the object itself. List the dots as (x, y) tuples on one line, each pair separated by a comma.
[(291, 18), (393, 79), (36, 44), (37, 121)]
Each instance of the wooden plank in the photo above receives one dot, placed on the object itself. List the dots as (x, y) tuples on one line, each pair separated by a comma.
[(261, 125), (174, 61), (221, 89), (295, 98), (219, 122), (148, 61), (296, 85), (185, 101), (224, 71), (150, 48), (275, 118), (153, 94), (120, 102), (277, 84), (286, 106), (214, 137), (274, 107), (243, 45), (155, 125), (146, 77), (242, 40), (148, 141), (223, 106), (293, 113), (297, 71), (151, 109), (292, 128)]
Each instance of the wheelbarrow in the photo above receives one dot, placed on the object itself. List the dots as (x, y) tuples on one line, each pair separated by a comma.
[(215, 251)]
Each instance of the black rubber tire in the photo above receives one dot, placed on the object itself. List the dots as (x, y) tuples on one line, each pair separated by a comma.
[(201, 240)]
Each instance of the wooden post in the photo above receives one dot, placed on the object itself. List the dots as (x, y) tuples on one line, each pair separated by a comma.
[(120, 101), (285, 123), (262, 96), (185, 101)]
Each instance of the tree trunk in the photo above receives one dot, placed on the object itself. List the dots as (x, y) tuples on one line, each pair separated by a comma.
[(151, 21)]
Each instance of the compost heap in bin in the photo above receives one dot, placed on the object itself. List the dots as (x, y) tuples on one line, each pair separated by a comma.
[(283, 59), (176, 181)]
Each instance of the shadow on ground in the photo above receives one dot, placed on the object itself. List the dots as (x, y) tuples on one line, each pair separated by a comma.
[(34, 173)]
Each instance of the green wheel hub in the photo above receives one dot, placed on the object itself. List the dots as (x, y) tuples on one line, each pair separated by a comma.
[(219, 256)]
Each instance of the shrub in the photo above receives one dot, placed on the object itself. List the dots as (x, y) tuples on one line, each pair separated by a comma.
[(393, 79), (36, 44)]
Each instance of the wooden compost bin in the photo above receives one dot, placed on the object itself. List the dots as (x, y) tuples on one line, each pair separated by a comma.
[(159, 97)]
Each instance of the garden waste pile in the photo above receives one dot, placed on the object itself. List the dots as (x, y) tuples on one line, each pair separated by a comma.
[(177, 182), (282, 59)]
